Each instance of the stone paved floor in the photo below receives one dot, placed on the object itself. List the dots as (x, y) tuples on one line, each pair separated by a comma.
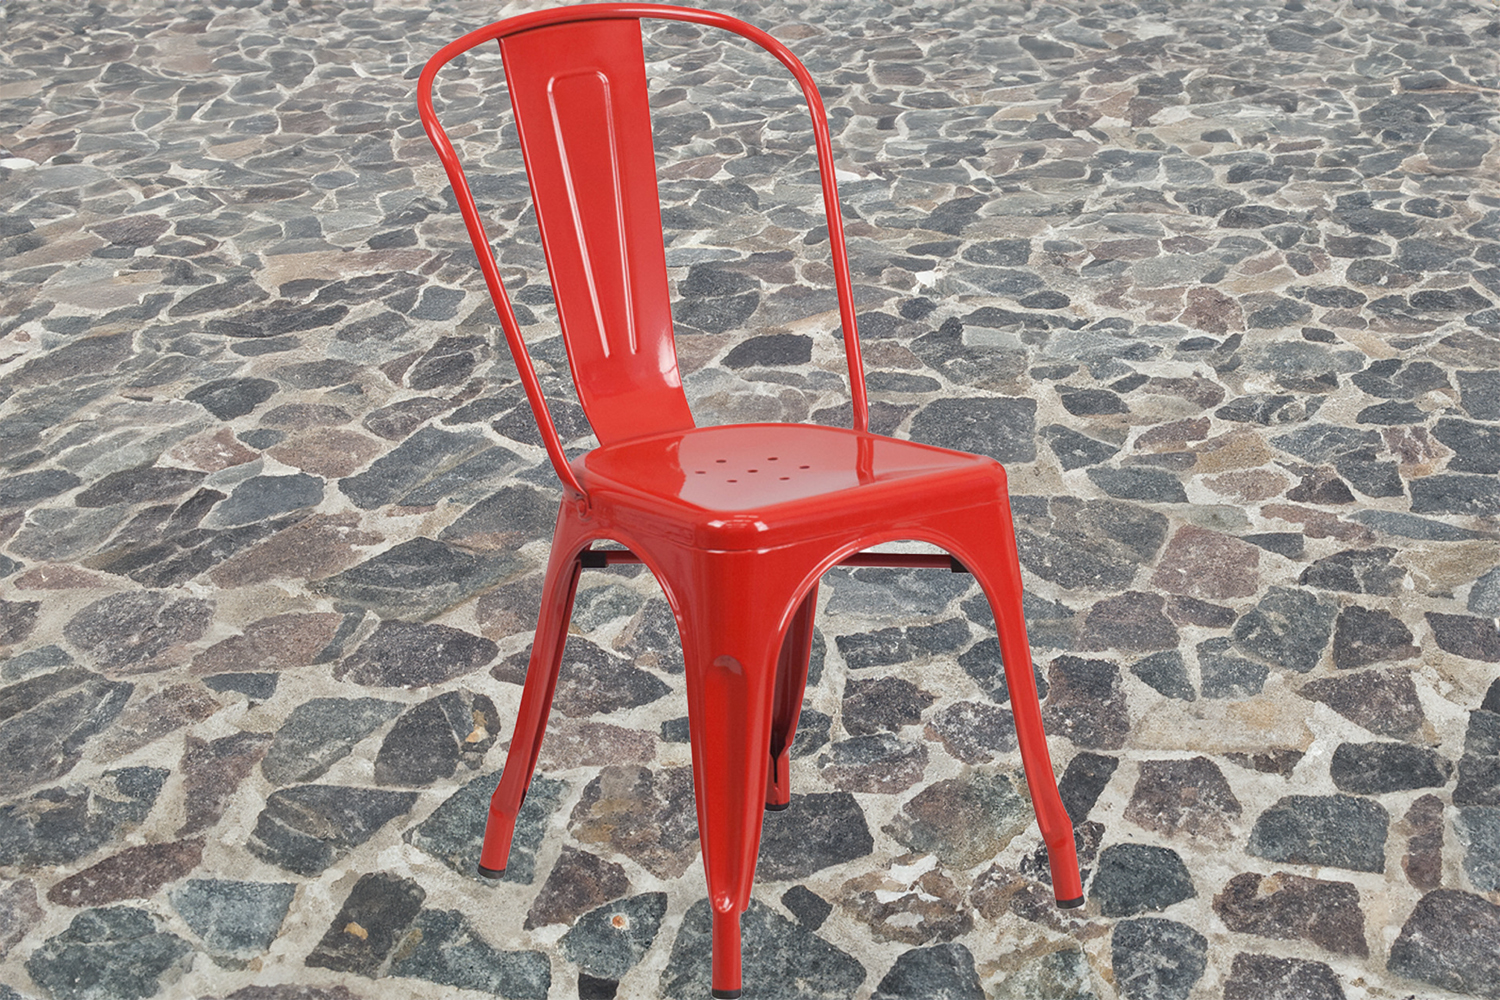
[(1215, 280)]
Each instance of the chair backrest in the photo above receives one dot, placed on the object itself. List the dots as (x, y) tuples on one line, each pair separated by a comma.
[(577, 83)]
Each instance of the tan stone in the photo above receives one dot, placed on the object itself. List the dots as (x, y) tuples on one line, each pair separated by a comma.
[(327, 452), (1237, 449), (1250, 485), (1207, 565), (212, 452), (1317, 523)]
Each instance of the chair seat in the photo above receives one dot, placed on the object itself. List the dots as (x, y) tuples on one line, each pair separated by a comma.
[(747, 485)]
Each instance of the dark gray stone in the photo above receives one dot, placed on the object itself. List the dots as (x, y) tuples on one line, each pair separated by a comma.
[(941, 972), (371, 922), (1288, 628), (126, 632), (1463, 635), (1136, 878), (227, 398), (1479, 831), (1075, 450), (1456, 494), (1157, 959), (507, 519), (1166, 674), (815, 832), (1383, 700), (47, 720), (1376, 768), (263, 497), (1004, 428), (234, 919), (1319, 443), (57, 826), (443, 947), (1356, 571), (1363, 636), (1132, 621), (400, 654), (1086, 703), (1452, 941), (115, 953), (306, 828), (802, 965), (884, 704), (1338, 831), (771, 349), (1094, 544), (591, 680), (140, 485), (1478, 781), (43, 659), (1266, 977), (609, 941), (433, 738), (1151, 485), (24, 489), (1484, 596), (417, 579), (1476, 447), (1480, 393), (1084, 781), (1291, 907), (320, 731), (878, 763), (425, 455), (808, 907), (973, 731), (454, 833)]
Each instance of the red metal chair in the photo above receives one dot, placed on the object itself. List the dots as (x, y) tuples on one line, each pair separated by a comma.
[(736, 522)]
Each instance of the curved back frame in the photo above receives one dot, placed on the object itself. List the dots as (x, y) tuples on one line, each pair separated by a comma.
[(636, 289)]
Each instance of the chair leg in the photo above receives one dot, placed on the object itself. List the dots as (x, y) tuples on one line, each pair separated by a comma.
[(558, 590), (1000, 576), (791, 683), (731, 651)]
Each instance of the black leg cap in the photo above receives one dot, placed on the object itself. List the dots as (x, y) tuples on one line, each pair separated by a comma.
[(1070, 904), (726, 994), (773, 808), (490, 872)]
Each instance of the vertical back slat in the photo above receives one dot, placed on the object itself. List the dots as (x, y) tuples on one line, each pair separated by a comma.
[(582, 110)]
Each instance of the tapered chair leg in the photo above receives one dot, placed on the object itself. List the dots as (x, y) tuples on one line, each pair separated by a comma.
[(791, 684), (999, 573), (558, 590), (731, 646)]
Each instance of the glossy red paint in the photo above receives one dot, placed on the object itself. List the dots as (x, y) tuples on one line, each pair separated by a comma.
[(737, 523)]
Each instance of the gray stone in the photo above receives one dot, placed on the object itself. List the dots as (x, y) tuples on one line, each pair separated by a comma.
[(431, 740), (776, 950), (881, 762), (591, 680), (973, 731), (1075, 450), (127, 632), (228, 398), (1288, 628), (1478, 781), (320, 731), (266, 496), (24, 489), (965, 821), (609, 941), (454, 833), (306, 828), (884, 704), (1084, 781), (1150, 485), (115, 953), (1266, 977), (1479, 831), (815, 832), (1003, 428), (1452, 941), (400, 654), (1376, 768), (1094, 544), (417, 579), (941, 972), (370, 923), (1462, 635), (1338, 831), (1166, 674), (1136, 878), (1132, 621), (57, 826), (47, 721), (1484, 596), (144, 484), (1356, 571), (1456, 494), (1363, 636), (420, 458), (443, 947), (1086, 702), (234, 919), (1157, 959)]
